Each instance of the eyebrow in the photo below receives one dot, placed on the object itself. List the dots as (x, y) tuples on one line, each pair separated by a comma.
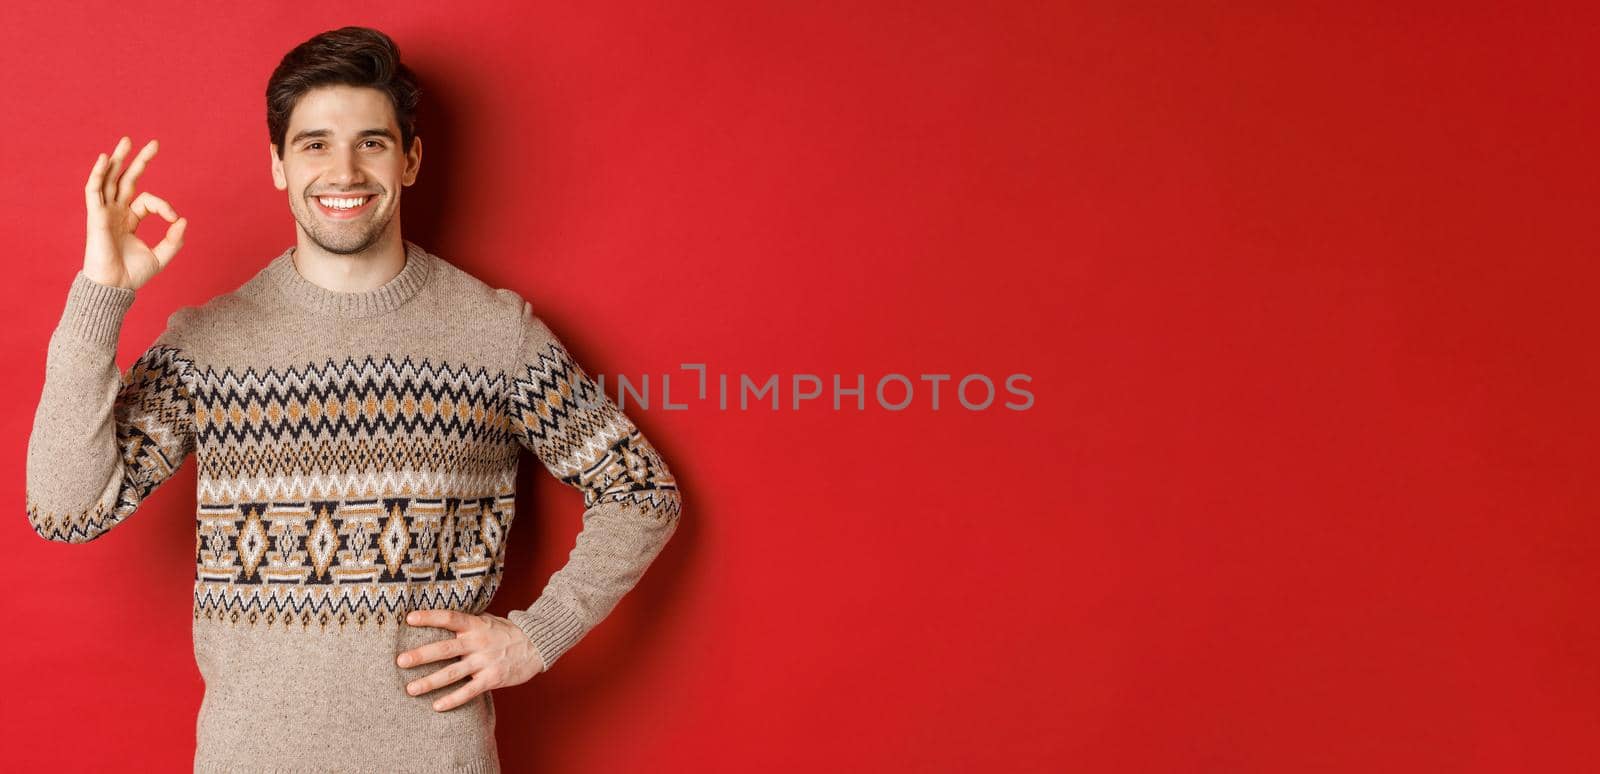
[(307, 133)]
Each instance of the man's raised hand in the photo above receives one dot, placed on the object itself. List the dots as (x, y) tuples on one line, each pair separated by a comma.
[(113, 253)]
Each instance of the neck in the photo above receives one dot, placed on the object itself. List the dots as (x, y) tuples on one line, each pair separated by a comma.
[(377, 298), (350, 272)]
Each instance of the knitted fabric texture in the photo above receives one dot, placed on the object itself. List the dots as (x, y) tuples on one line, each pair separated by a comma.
[(356, 458)]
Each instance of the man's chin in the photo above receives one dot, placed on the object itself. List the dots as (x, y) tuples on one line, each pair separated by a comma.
[(339, 243), (341, 246)]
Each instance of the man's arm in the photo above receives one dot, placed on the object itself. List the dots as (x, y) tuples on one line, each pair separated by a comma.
[(631, 502), (102, 441)]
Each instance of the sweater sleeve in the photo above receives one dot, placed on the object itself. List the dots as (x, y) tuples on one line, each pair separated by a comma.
[(631, 502), (103, 440)]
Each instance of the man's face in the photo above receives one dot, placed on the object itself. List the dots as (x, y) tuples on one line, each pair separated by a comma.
[(343, 142)]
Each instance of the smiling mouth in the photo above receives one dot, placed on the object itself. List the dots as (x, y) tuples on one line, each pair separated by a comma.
[(343, 207)]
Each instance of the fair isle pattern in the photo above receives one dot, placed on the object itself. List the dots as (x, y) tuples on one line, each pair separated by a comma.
[(351, 429), (346, 492), (300, 564), (153, 412), (586, 440)]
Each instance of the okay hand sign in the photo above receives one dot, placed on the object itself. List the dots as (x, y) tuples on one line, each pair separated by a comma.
[(113, 253)]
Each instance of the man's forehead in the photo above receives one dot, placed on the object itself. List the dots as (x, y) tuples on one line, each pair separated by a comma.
[(342, 109)]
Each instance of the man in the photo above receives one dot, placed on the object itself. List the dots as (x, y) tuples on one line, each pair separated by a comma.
[(356, 410)]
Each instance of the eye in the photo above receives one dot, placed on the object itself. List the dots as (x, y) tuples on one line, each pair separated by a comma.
[(376, 142)]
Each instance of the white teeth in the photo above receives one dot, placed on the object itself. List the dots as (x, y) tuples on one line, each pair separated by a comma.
[(342, 204)]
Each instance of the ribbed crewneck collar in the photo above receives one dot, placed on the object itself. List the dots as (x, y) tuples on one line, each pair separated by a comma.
[(385, 298)]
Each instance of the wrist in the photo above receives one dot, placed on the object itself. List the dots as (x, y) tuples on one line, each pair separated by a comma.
[(94, 310)]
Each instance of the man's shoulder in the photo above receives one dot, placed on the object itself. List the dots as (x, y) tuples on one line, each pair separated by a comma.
[(461, 285), (224, 306), (501, 304), (500, 314), (508, 315), (191, 324)]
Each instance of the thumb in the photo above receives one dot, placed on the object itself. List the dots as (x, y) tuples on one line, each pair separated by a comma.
[(171, 243)]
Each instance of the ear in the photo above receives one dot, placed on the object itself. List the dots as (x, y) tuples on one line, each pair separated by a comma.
[(279, 181), (413, 161)]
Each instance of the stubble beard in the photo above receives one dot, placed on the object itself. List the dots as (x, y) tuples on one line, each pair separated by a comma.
[(339, 239)]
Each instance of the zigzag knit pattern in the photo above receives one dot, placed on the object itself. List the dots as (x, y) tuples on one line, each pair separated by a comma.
[(586, 440), (321, 487), (152, 413)]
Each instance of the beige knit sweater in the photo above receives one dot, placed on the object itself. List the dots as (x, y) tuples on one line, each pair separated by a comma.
[(356, 458)]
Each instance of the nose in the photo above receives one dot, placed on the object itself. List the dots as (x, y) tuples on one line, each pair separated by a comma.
[(346, 169)]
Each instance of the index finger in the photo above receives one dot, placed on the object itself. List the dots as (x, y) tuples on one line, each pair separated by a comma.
[(453, 620)]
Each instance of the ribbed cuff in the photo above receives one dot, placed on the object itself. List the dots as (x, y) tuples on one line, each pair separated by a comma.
[(551, 626), (94, 312)]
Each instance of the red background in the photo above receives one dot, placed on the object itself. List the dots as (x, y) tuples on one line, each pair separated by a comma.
[(1304, 293)]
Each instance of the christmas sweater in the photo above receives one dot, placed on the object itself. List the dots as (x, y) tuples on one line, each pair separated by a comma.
[(355, 458)]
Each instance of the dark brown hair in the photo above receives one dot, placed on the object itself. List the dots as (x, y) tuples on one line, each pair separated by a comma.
[(348, 56)]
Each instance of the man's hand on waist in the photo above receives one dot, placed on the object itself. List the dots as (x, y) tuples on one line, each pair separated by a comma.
[(494, 653)]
